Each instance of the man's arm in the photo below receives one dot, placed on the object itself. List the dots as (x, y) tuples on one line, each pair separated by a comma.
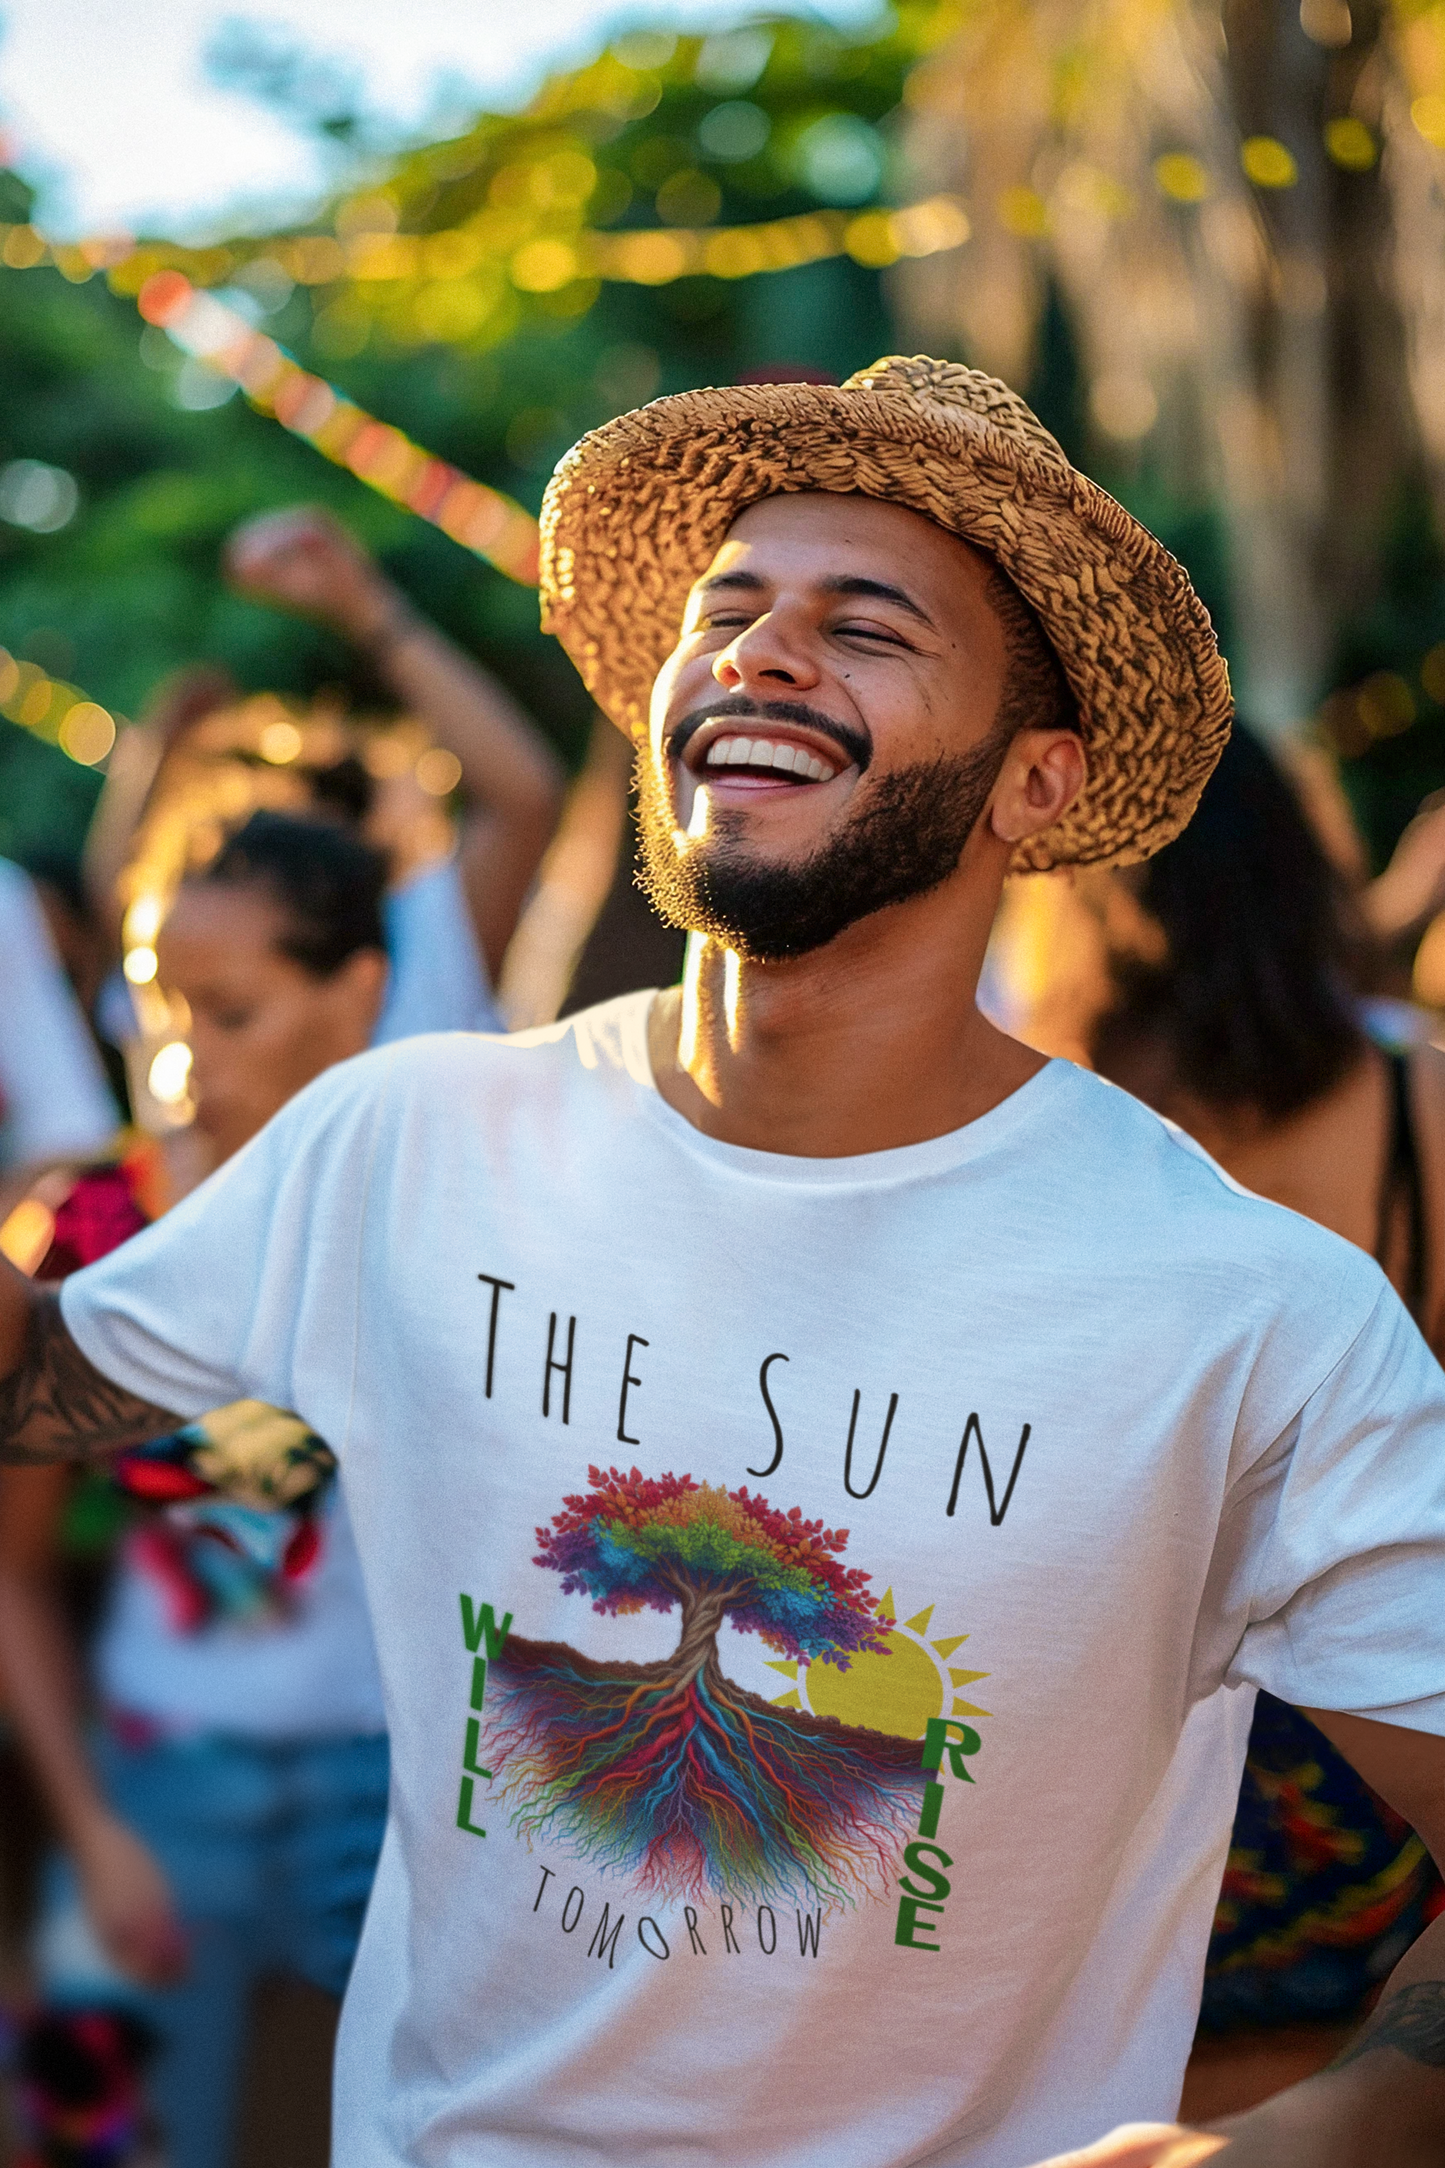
[(1381, 2103), (54, 1403), (1385, 2094), (511, 781)]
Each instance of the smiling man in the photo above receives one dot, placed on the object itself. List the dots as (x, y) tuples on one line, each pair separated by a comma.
[(956, 642), (829, 1481)]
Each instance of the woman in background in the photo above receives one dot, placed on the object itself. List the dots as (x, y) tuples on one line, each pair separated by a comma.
[(1234, 961), (223, 1821), (448, 921)]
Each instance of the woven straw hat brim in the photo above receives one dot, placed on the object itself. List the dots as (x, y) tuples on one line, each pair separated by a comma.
[(636, 512)]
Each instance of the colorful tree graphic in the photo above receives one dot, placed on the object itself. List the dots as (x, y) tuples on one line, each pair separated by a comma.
[(670, 1771)]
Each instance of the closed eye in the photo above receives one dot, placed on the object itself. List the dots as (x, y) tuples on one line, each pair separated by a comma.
[(884, 634)]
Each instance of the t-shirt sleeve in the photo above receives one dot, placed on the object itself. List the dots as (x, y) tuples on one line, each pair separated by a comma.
[(1332, 1557), (247, 1289)]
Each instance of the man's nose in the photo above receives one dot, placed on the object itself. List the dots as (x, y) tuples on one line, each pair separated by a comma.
[(768, 654)]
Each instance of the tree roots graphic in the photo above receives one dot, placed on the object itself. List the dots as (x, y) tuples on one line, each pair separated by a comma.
[(675, 1776)]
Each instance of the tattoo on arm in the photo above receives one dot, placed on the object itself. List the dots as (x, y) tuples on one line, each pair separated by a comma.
[(55, 1405), (1413, 2021)]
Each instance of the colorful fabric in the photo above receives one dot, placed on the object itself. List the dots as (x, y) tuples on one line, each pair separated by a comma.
[(77, 2092), (101, 1210), (234, 1496), (1325, 1889)]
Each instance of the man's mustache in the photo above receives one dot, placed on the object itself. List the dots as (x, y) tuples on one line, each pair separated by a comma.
[(740, 707)]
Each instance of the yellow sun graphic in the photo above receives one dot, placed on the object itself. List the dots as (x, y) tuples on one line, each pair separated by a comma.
[(896, 1693)]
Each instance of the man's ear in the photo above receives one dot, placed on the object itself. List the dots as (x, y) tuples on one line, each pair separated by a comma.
[(1042, 774)]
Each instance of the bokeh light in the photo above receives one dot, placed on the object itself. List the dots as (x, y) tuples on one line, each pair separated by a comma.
[(1268, 162), (280, 742), (87, 733), (438, 772), (169, 1075), (37, 496)]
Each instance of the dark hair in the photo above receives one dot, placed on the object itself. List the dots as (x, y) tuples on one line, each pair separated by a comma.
[(326, 880), (61, 873), (345, 788), (1253, 997), (1036, 694)]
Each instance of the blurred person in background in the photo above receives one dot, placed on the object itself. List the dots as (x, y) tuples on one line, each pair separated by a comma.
[(224, 1821), (54, 1099), (55, 1102), (448, 917), (1233, 963), (448, 925), (84, 943)]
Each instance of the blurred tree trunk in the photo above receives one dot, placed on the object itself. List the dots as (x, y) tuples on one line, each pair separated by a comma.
[(1316, 461), (1240, 339)]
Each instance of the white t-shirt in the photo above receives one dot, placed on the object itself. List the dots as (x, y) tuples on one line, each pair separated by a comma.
[(438, 977), (1203, 1453), (54, 1098)]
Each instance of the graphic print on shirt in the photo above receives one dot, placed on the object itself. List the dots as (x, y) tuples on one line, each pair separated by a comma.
[(672, 1773), (905, 1690)]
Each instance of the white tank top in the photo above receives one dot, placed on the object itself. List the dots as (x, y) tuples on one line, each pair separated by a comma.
[(438, 978)]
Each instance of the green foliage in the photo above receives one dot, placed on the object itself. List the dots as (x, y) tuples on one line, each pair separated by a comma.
[(631, 143), (1394, 747), (128, 589), (45, 800)]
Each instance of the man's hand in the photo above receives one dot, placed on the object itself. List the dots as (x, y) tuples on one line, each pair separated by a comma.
[(1381, 2103), (129, 1904), (1143, 2145), (304, 560)]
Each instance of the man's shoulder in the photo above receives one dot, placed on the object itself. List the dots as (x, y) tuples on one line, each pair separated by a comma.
[(611, 1037), (1143, 1173)]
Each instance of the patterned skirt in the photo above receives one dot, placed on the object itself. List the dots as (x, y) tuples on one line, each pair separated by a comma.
[(1325, 1887)]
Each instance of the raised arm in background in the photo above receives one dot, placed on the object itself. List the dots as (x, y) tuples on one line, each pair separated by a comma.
[(511, 781)]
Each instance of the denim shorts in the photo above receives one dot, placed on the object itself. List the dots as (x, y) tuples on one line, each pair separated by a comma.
[(270, 1848)]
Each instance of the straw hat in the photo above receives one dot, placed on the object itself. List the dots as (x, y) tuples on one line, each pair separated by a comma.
[(636, 511)]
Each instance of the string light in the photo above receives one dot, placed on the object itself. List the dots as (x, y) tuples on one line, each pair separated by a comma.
[(481, 519), (59, 713), (649, 256)]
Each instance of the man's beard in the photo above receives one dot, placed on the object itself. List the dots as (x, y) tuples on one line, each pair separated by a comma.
[(907, 836)]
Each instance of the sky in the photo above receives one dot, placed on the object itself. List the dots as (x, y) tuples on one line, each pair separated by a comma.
[(109, 112)]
